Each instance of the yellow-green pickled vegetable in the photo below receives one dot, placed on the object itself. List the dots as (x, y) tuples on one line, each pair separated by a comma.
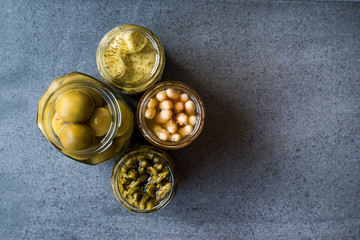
[(130, 57), (144, 181)]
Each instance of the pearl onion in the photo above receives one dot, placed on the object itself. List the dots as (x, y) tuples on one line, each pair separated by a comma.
[(171, 126), (175, 137), (190, 107), (159, 119), (150, 113), (181, 119), (161, 96), (192, 120), (166, 114), (162, 133), (173, 94), (178, 107), (152, 103), (167, 104), (184, 131), (184, 97)]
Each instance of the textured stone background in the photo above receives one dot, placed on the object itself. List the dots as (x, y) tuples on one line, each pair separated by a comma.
[(279, 155)]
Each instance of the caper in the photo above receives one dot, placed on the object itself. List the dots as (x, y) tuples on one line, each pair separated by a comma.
[(144, 164), (137, 203), (159, 166), (131, 163), (136, 196), (141, 170), (74, 106), (140, 180), (130, 200), (121, 187), (76, 136), (160, 177), (153, 170), (124, 169), (131, 191), (133, 174), (150, 204), (156, 160), (163, 191), (150, 189), (123, 180), (143, 201)]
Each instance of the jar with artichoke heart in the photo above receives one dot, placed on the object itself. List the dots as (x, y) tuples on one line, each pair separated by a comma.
[(131, 58), (85, 119)]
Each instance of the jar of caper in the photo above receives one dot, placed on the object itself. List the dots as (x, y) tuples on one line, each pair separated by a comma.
[(85, 119), (144, 180)]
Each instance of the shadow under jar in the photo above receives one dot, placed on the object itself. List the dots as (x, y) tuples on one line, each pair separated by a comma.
[(170, 115), (144, 179), (85, 119), (131, 58)]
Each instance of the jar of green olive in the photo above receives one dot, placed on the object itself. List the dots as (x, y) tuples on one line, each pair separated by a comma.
[(85, 119), (131, 58), (144, 180)]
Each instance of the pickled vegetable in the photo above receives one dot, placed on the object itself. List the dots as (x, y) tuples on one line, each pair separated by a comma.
[(76, 136), (144, 181), (130, 57), (171, 115), (100, 121), (74, 106)]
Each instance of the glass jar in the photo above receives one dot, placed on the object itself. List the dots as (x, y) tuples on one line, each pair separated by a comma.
[(147, 126), (121, 120), (131, 58), (122, 170)]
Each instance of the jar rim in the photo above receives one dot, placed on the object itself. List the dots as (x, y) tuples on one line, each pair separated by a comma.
[(107, 38), (149, 135), (138, 150)]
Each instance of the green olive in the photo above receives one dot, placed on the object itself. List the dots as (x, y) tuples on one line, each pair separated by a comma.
[(56, 124), (125, 118), (74, 106), (98, 100), (100, 121), (76, 136)]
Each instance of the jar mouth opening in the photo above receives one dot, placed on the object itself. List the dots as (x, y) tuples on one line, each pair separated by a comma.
[(110, 100), (137, 151), (142, 121), (103, 45)]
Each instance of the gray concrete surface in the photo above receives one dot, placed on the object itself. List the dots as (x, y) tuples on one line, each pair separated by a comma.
[(279, 155)]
